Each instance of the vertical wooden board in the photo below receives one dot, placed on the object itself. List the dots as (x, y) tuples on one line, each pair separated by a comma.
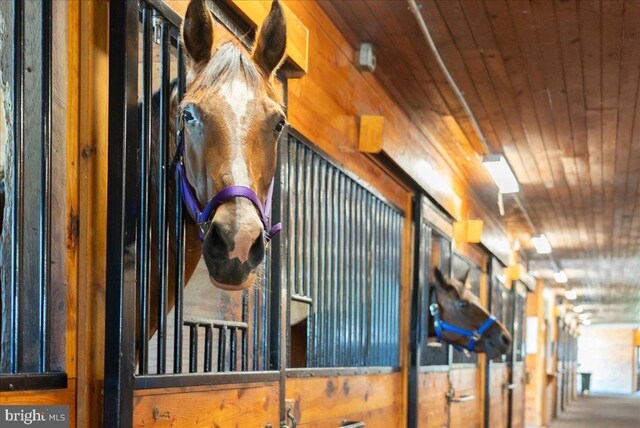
[(518, 398), (325, 398), (498, 399), (433, 409), (465, 382), (230, 406)]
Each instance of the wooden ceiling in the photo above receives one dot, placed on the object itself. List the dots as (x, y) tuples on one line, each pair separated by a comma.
[(554, 86)]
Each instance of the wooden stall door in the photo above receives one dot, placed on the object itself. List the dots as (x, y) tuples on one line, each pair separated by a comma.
[(517, 397), (464, 407), (498, 395), (433, 406)]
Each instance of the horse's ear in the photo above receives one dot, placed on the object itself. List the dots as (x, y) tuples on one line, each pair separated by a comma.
[(442, 282), (197, 31), (466, 280), (440, 279), (271, 41)]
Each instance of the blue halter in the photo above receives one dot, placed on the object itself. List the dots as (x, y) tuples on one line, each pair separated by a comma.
[(441, 326)]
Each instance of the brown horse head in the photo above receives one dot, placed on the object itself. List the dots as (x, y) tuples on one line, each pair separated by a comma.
[(232, 122), (459, 307)]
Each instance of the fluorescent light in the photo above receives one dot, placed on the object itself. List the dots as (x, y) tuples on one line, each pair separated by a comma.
[(501, 173), (560, 277), (578, 309), (584, 316), (542, 244), (586, 322), (571, 295)]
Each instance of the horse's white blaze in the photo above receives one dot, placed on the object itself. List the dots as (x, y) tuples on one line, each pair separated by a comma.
[(238, 95)]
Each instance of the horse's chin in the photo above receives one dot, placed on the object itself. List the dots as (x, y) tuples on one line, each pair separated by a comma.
[(234, 287), (491, 351)]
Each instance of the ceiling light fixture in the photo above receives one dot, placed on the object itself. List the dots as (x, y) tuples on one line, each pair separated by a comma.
[(586, 322), (571, 295), (501, 172), (578, 309), (542, 244), (584, 316), (560, 277)]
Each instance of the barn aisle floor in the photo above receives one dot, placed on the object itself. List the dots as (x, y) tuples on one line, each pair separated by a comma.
[(601, 411)]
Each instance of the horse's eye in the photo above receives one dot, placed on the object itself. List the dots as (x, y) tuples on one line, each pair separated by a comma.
[(279, 127), (187, 116), (462, 303)]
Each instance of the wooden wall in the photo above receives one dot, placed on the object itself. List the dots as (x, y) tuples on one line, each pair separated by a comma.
[(376, 400), (223, 406)]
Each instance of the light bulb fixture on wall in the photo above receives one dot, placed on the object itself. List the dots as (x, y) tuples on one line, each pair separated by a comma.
[(571, 295)]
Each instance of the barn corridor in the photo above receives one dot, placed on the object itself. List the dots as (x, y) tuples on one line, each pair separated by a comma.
[(601, 411)]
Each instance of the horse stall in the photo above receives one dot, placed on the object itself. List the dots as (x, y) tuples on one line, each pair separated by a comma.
[(315, 342), (446, 383), (343, 320)]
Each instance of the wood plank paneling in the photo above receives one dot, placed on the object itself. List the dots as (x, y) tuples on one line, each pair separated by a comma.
[(319, 400), (433, 408), (518, 396), (498, 396), (465, 382), (66, 397), (227, 406)]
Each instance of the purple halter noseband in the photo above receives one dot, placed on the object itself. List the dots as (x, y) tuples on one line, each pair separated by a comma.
[(201, 217)]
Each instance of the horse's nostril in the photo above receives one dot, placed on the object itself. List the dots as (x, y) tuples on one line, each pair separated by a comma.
[(218, 239), (256, 253)]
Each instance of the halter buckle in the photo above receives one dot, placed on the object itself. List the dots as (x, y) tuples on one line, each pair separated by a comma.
[(433, 308)]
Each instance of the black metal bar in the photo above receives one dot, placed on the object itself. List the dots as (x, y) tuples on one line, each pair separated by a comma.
[(198, 379), (222, 348), (120, 319), (417, 321), (17, 218), (163, 160), (314, 249), (279, 286), (487, 384), (308, 222), (45, 191), (348, 296), (143, 210), (232, 349), (32, 381), (193, 347), (323, 263), (208, 347), (335, 277), (245, 355), (179, 234)]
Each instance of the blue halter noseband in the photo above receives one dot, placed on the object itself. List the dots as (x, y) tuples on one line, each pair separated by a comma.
[(441, 326)]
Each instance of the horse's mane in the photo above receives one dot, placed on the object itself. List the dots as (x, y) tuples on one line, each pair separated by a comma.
[(228, 62)]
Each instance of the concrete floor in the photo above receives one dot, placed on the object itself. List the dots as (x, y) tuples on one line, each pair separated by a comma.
[(601, 411)]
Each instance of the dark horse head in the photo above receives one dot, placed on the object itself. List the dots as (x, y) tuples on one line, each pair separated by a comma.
[(232, 122), (458, 307)]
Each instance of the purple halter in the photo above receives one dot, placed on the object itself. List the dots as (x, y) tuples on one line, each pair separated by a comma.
[(201, 217)]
